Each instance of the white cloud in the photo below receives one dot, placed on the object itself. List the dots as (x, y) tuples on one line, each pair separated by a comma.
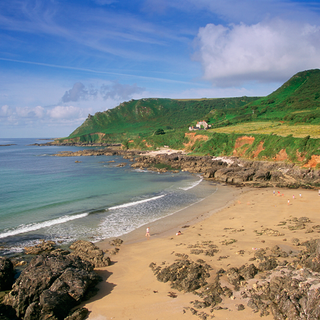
[(65, 112), (5, 111), (269, 51), (120, 91), (27, 112), (39, 111), (110, 89)]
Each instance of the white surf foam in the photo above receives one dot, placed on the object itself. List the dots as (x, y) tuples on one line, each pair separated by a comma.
[(192, 185), (37, 226), (129, 204)]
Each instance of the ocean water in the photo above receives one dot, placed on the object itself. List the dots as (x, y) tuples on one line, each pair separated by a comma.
[(55, 198)]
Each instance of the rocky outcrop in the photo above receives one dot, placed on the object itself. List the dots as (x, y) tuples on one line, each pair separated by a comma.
[(284, 284), (6, 274), (54, 281), (50, 286), (231, 170), (236, 171), (87, 251), (99, 152), (43, 246), (287, 294), (184, 275)]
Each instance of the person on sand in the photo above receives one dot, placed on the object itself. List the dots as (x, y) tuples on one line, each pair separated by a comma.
[(148, 233), (178, 233)]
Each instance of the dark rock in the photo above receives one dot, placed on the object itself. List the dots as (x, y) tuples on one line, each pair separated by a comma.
[(43, 246), (89, 252), (50, 286), (116, 242), (234, 277), (288, 296), (6, 274), (212, 294), (238, 172), (7, 313), (196, 251), (269, 264), (248, 272), (78, 314), (310, 257), (184, 275), (241, 307)]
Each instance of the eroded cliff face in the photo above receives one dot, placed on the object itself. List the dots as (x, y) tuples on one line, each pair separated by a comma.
[(244, 148), (193, 138)]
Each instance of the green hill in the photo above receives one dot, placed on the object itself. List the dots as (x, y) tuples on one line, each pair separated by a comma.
[(143, 117), (296, 102)]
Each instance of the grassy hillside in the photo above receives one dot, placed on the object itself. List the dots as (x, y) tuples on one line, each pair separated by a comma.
[(276, 127), (143, 117), (296, 102), (283, 125)]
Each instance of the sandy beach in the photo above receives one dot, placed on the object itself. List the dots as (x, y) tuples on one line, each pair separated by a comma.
[(238, 221)]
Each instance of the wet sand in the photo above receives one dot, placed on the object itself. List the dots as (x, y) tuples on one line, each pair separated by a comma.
[(248, 219)]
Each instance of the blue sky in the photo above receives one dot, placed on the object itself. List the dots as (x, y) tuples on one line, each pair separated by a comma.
[(63, 59)]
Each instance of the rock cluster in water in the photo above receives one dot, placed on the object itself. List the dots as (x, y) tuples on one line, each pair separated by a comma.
[(54, 282)]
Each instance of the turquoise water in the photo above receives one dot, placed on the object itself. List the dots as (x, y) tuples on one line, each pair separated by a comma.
[(47, 197)]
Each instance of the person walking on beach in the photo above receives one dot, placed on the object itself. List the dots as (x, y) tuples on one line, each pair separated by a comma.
[(148, 233)]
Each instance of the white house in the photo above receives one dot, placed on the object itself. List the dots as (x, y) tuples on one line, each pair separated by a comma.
[(200, 125)]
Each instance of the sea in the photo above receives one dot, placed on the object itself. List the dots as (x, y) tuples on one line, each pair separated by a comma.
[(45, 197)]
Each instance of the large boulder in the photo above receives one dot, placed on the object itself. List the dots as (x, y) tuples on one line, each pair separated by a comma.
[(6, 274), (50, 286), (89, 252)]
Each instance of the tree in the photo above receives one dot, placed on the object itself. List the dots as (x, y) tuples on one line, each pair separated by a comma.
[(158, 132)]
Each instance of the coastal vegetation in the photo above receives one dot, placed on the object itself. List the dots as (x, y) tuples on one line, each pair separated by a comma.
[(287, 121)]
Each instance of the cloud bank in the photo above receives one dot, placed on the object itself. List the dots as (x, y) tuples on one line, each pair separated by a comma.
[(266, 51), (114, 90), (72, 108)]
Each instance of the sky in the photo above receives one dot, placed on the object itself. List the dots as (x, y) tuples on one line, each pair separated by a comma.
[(61, 60)]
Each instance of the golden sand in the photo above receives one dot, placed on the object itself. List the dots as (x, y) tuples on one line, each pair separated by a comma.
[(253, 219)]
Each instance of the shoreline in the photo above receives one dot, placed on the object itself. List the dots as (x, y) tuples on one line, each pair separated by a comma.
[(253, 219), (222, 196)]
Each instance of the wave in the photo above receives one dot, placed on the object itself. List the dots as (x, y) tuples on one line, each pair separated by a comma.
[(192, 185), (143, 170), (129, 204), (37, 226)]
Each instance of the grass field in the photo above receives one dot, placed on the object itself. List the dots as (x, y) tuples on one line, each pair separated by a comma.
[(278, 128)]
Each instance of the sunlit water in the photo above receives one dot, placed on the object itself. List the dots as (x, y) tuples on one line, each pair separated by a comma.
[(48, 197)]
